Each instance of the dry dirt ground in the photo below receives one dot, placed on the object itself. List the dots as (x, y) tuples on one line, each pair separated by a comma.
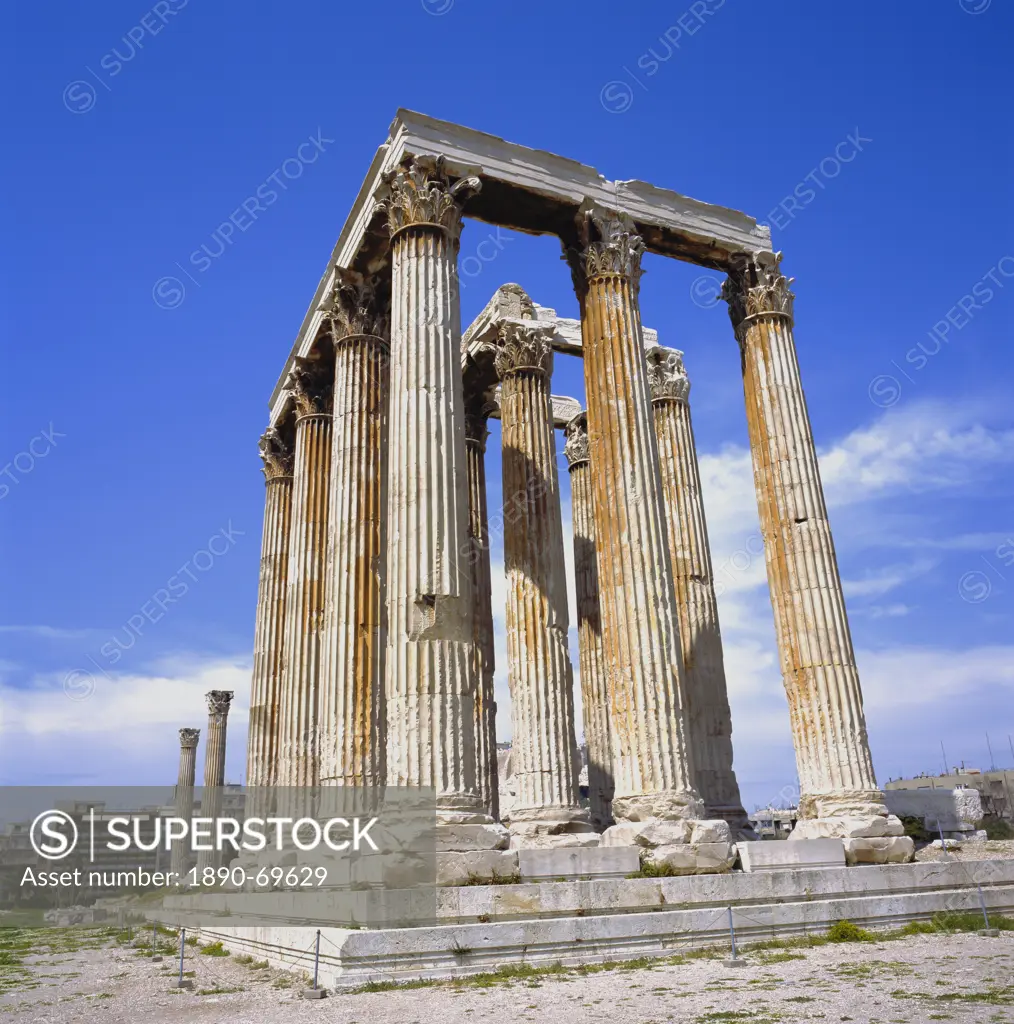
[(67, 976)]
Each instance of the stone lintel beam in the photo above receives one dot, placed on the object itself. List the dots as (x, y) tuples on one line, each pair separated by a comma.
[(526, 190)]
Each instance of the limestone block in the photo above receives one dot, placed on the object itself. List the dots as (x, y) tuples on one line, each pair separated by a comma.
[(596, 862), (952, 810), (705, 859), (879, 850), (711, 830), (649, 834), (772, 855), (553, 841), (470, 837), (464, 868), (870, 826)]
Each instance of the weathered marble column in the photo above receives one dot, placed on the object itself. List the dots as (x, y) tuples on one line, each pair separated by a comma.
[(710, 718), (476, 432), (219, 702), (839, 794), (594, 694), (184, 799), (544, 756), (430, 667), (269, 631), (311, 386), (652, 760), (351, 703)]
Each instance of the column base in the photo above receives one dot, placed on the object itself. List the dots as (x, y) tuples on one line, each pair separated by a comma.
[(675, 805), (652, 835), (850, 814)]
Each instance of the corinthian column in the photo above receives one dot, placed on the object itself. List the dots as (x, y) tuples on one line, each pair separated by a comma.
[(214, 768), (839, 793), (184, 798), (269, 632), (594, 693), (351, 685), (547, 807), (710, 719), (476, 416), (430, 667), (652, 761), (311, 385)]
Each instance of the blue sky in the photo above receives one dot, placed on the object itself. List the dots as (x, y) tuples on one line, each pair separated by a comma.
[(875, 139)]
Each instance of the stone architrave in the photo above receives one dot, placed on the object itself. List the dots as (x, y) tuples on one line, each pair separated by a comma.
[(594, 694), (351, 705), (184, 799), (839, 793), (311, 387), (652, 760), (269, 632), (547, 809), (430, 668), (219, 702), (710, 718), (476, 416)]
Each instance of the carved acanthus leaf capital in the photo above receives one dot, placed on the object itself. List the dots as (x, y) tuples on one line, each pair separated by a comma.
[(219, 701), (756, 287), (276, 454), (353, 310), (189, 737), (524, 346), (310, 384), (610, 247), (577, 446), (667, 376), (421, 192)]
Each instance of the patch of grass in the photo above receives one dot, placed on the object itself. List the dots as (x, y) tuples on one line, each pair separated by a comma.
[(496, 879), (847, 931), (214, 949), (218, 990), (996, 828)]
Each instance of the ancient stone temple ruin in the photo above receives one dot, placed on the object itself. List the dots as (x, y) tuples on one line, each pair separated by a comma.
[(374, 655)]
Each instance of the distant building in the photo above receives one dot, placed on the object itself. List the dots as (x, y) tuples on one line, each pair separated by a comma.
[(996, 789), (774, 822)]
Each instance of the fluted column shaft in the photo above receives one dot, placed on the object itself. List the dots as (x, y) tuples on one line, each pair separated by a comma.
[(482, 613), (544, 746), (430, 673), (815, 645), (299, 741), (184, 797), (710, 718), (351, 710), (594, 693), (269, 631), (219, 702), (652, 760)]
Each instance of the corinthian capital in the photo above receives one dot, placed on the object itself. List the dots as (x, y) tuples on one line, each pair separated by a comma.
[(219, 701), (667, 376), (611, 247), (577, 446), (189, 737), (353, 310), (756, 287), (310, 384), (524, 347), (421, 192), (276, 454)]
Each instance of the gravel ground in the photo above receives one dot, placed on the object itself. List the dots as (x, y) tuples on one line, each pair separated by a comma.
[(957, 977), (990, 849)]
